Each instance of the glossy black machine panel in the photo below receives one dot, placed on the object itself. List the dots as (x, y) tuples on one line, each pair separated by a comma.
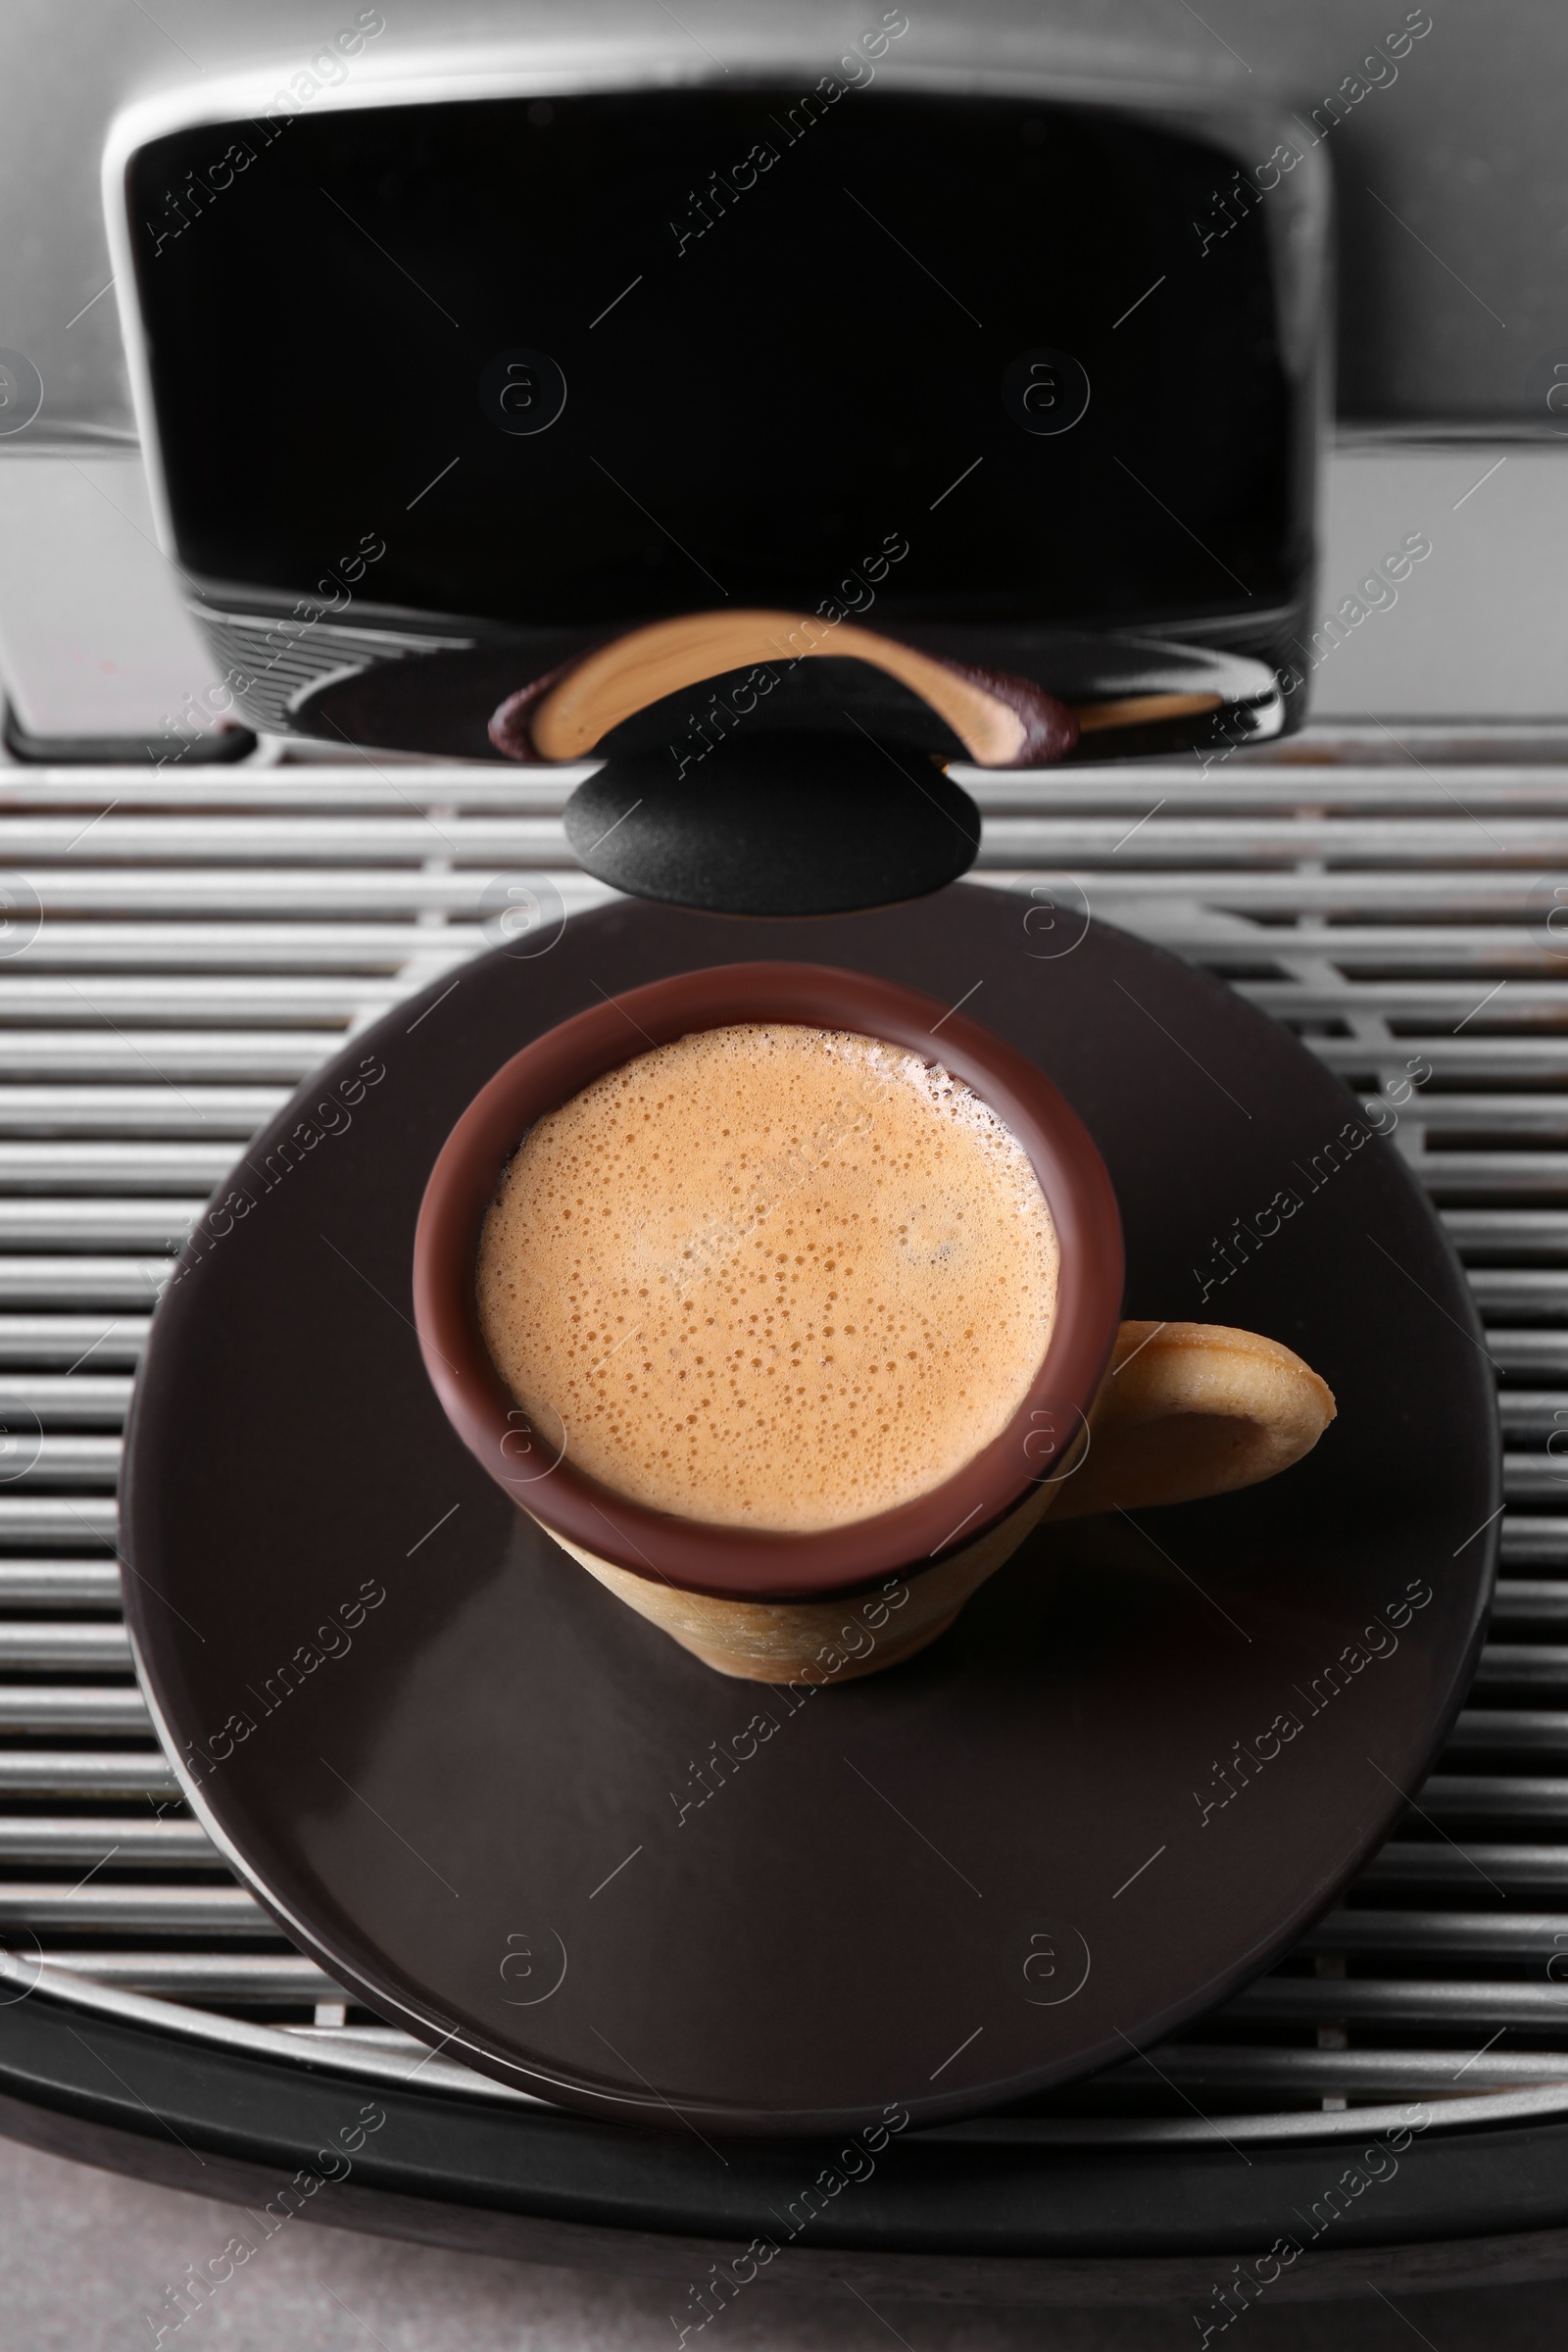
[(1008, 378)]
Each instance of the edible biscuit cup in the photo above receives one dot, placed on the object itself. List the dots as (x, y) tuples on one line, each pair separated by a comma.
[(1126, 1414)]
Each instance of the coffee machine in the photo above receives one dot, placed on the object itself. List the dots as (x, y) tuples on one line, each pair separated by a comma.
[(208, 914), (776, 437)]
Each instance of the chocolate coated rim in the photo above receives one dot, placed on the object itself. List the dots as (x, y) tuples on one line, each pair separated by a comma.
[(743, 1562)]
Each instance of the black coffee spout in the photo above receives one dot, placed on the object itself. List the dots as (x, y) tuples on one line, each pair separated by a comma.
[(826, 794), (785, 823)]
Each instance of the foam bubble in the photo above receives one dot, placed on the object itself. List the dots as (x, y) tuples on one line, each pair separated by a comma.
[(770, 1277)]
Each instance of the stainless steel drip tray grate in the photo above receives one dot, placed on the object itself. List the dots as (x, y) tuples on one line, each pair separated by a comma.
[(176, 955)]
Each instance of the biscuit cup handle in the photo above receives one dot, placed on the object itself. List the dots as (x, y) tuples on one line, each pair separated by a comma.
[(1188, 1409)]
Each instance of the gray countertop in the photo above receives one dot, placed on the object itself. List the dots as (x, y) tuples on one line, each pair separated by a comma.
[(86, 2260)]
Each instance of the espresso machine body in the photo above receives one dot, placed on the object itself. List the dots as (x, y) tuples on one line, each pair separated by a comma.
[(446, 380)]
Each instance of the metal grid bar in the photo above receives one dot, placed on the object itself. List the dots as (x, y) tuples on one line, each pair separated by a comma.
[(180, 952)]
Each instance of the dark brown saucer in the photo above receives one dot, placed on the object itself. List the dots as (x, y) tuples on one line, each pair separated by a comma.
[(517, 1820)]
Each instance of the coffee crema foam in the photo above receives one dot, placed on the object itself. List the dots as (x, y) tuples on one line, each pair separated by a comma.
[(770, 1277)]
